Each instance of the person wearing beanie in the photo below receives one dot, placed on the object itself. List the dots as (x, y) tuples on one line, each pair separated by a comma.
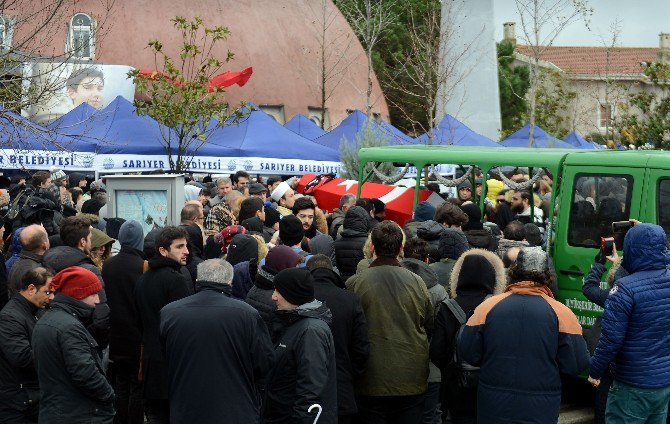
[(292, 233), (260, 294), (465, 191), (271, 223), (349, 247), (215, 342), (70, 370), (506, 328), (304, 371), (285, 198), (453, 244), (121, 273), (423, 212), (478, 236)]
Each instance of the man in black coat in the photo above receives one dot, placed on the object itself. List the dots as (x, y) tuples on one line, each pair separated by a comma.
[(349, 247), (73, 385), (19, 389), (75, 232), (304, 371), (35, 242), (350, 332), (163, 283), (217, 349), (121, 273)]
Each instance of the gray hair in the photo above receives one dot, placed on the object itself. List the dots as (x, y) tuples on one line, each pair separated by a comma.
[(346, 199), (223, 181), (215, 271)]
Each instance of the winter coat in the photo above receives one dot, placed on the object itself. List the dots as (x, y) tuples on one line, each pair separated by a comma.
[(243, 279), (304, 371), (634, 325), (121, 273), (350, 334), (481, 239), (16, 249), (260, 298), (196, 333), (443, 270), (349, 247), (73, 386), (523, 340), (398, 311), (4, 287), (431, 231), (18, 378), (337, 218), (61, 257), (437, 294), (468, 293), (26, 262), (411, 228), (163, 283)]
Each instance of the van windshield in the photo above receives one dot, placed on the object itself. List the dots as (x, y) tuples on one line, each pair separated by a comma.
[(597, 201)]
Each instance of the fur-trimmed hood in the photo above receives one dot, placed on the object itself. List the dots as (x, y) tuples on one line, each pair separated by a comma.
[(492, 258)]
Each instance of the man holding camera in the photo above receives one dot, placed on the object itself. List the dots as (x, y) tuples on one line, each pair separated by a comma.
[(635, 338)]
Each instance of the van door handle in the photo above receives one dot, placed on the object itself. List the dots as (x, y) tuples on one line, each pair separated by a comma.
[(573, 272)]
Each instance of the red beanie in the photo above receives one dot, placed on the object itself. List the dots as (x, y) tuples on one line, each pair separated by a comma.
[(76, 282)]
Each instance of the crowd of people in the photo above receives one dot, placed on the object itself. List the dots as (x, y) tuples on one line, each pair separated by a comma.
[(260, 308)]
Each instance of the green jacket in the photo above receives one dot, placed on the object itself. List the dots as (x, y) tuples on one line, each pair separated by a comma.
[(398, 311), (443, 270)]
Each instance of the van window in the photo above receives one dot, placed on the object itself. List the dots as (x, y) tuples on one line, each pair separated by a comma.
[(663, 207), (597, 201)]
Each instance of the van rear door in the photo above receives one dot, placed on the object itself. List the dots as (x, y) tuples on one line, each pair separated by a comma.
[(592, 197)]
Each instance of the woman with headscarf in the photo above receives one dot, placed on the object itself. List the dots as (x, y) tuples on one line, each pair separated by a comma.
[(476, 275)]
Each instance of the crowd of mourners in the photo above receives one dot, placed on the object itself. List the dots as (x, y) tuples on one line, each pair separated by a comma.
[(261, 308)]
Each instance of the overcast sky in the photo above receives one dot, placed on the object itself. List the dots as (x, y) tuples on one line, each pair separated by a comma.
[(641, 22)]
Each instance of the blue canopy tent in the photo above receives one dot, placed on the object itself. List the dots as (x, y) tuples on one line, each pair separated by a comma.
[(19, 133), (579, 142), (541, 139), (260, 136), (352, 125), (76, 116), (452, 131), (301, 125)]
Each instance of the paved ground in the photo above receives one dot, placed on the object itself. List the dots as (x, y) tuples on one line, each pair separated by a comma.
[(577, 402)]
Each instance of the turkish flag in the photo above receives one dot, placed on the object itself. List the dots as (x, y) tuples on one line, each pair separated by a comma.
[(225, 79), (399, 200)]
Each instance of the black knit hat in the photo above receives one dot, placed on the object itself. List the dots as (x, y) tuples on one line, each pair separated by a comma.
[(453, 244), (474, 217), (290, 230), (296, 285), (242, 248)]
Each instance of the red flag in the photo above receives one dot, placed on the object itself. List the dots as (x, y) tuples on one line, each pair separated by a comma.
[(225, 79)]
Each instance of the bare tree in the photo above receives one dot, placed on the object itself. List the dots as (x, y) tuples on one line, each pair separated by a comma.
[(27, 31), (369, 19), (334, 51), (542, 21), (429, 63)]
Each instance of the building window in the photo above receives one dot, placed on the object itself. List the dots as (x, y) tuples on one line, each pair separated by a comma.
[(315, 115), (81, 39), (275, 112), (605, 115)]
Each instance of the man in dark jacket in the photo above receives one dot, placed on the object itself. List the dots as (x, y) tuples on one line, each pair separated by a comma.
[(35, 242), (217, 348), (350, 332), (634, 337), (121, 273), (303, 209), (337, 217), (521, 365), (69, 366), (75, 232), (19, 389), (453, 244), (424, 211), (349, 247), (163, 283), (304, 372), (478, 236)]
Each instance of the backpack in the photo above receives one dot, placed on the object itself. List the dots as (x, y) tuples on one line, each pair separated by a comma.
[(467, 376), (17, 204)]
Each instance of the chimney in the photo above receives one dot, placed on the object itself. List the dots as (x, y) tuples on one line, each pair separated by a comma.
[(509, 32), (664, 48)]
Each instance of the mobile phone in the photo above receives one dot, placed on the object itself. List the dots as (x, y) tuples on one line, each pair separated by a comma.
[(621, 226), (607, 246)]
